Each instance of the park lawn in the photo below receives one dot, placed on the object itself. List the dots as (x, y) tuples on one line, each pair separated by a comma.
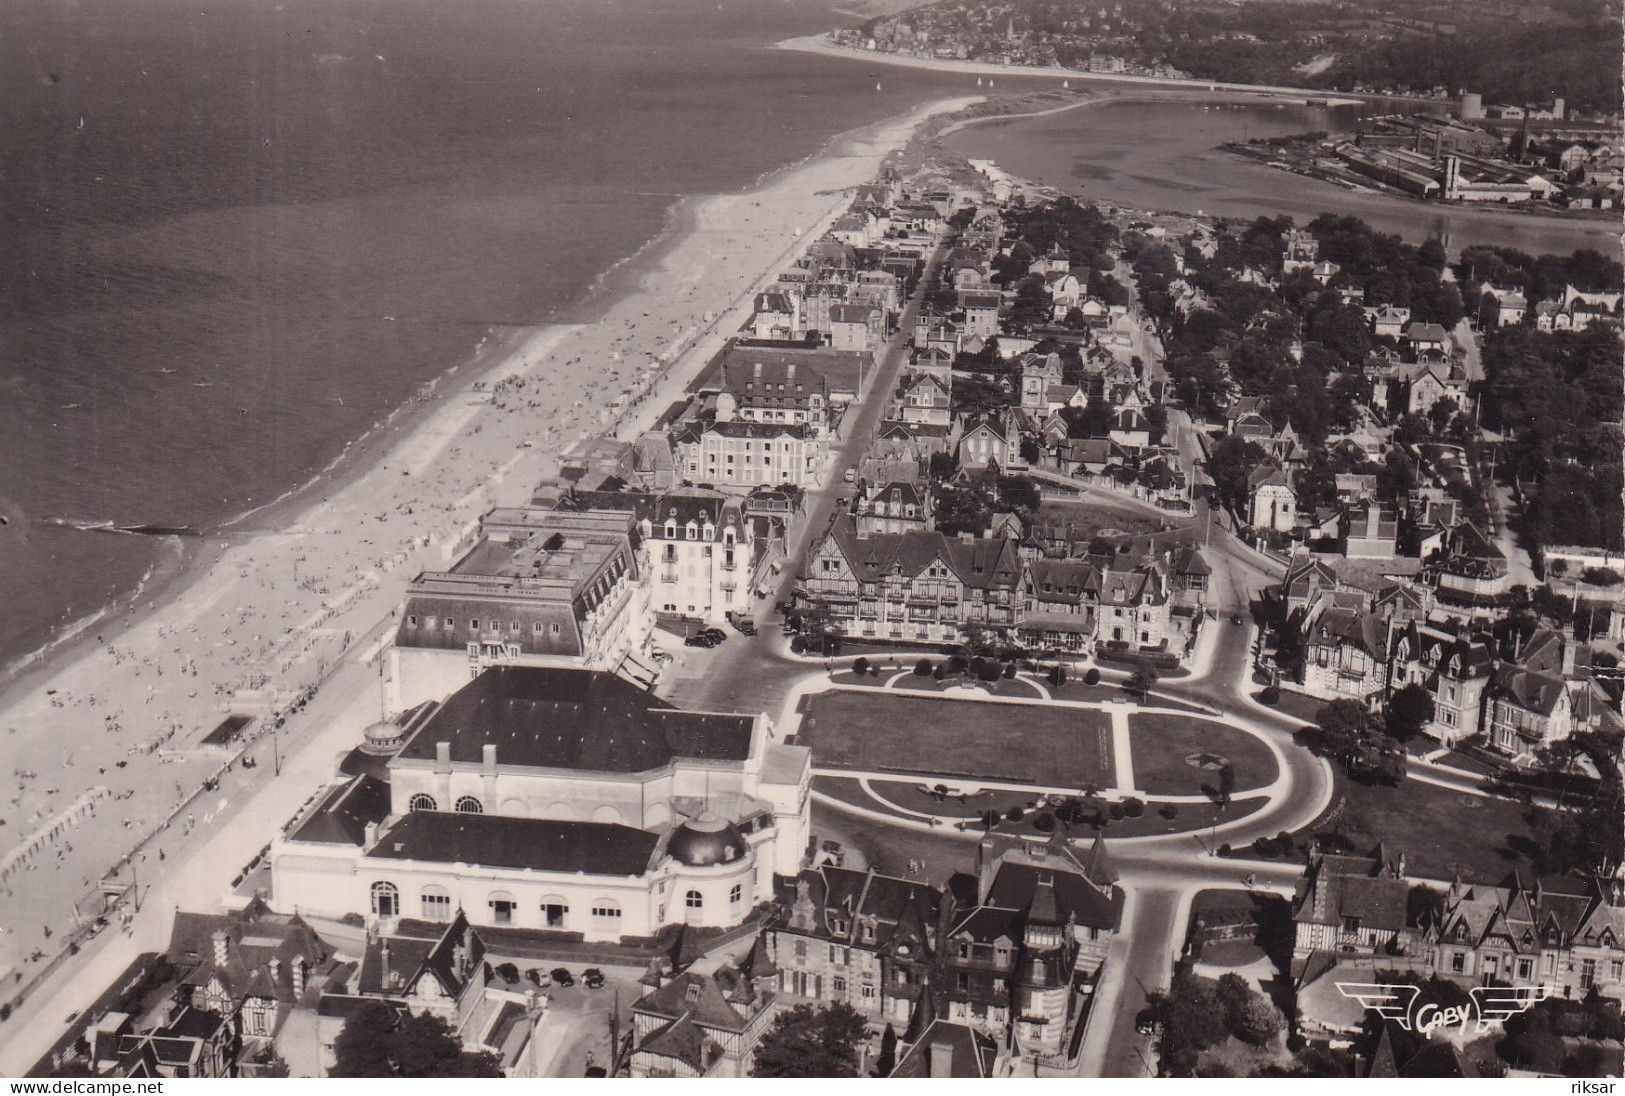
[(1437, 829), (1162, 742), (959, 739), (1298, 706)]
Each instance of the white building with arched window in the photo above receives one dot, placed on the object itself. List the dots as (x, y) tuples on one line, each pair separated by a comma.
[(561, 800)]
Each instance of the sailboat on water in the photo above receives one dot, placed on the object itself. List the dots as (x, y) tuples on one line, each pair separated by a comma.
[(1066, 84), (978, 81)]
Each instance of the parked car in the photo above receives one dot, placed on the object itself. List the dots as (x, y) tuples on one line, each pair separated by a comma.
[(851, 474), (539, 977), (1146, 1023), (592, 978), (562, 977), (701, 640), (746, 626), (1236, 619), (715, 633)]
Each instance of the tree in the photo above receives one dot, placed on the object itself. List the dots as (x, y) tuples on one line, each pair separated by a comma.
[(888, 1052), (1409, 710), (362, 1046), (1229, 463), (376, 1042), (1143, 680), (811, 1041), (1342, 726)]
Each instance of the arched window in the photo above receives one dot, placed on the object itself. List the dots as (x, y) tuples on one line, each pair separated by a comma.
[(502, 907), (607, 910), (421, 802), (386, 900), (736, 894), (467, 804), (436, 903), (694, 900), (554, 911)]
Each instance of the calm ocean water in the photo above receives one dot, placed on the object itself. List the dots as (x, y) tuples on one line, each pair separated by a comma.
[(234, 235), (1165, 155)]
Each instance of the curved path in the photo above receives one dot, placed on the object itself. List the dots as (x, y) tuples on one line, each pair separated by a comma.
[(1160, 873)]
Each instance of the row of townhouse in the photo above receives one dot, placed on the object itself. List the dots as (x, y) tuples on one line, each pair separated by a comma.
[(1356, 915), (919, 585), (1012, 955), (1519, 693)]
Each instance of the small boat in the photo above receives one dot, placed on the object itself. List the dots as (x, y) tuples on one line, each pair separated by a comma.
[(1066, 83), (877, 85), (978, 81)]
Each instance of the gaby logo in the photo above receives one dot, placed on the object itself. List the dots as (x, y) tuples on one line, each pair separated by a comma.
[(1487, 1006)]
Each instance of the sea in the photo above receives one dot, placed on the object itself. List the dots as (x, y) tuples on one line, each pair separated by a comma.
[(235, 235), (1140, 153)]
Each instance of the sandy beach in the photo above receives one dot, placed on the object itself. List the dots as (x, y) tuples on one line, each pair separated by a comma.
[(820, 44), (105, 739)]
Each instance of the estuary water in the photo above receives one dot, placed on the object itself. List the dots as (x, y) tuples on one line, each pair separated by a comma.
[(1165, 155)]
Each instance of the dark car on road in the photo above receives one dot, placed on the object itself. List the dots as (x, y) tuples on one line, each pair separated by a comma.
[(562, 977), (701, 640), (592, 978), (746, 626), (717, 635)]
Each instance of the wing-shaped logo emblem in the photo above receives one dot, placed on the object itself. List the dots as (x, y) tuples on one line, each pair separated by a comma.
[(1388, 1001), (1496, 1004)]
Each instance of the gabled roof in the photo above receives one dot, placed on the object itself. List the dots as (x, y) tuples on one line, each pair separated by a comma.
[(1336, 888), (723, 1000), (969, 1053), (254, 936), (1017, 884)]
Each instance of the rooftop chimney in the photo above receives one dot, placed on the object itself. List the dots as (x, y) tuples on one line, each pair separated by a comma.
[(941, 1057), (488, 757), (221, 942), (442, 756), (274, 965), (299, 976), (370, 836)]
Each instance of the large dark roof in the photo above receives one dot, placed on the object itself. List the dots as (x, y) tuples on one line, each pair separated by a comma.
[(573, 719), (1016, 885), (498, 841), (343, 816)]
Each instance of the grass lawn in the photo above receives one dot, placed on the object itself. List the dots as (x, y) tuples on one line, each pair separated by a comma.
[(1161, 744), (1013, 687), (1022, 744), (1297, 705), (1437, 829), (1268, 912), (1188, 817)]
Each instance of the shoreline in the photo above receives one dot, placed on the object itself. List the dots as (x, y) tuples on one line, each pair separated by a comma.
[(361, 454), (820, 44), (275, 600)]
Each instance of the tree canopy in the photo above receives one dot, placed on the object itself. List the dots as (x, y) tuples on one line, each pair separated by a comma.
[(377, 1042), (811, 1041)]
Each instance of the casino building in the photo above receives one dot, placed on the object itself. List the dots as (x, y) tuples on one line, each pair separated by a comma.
[(553, 799)]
